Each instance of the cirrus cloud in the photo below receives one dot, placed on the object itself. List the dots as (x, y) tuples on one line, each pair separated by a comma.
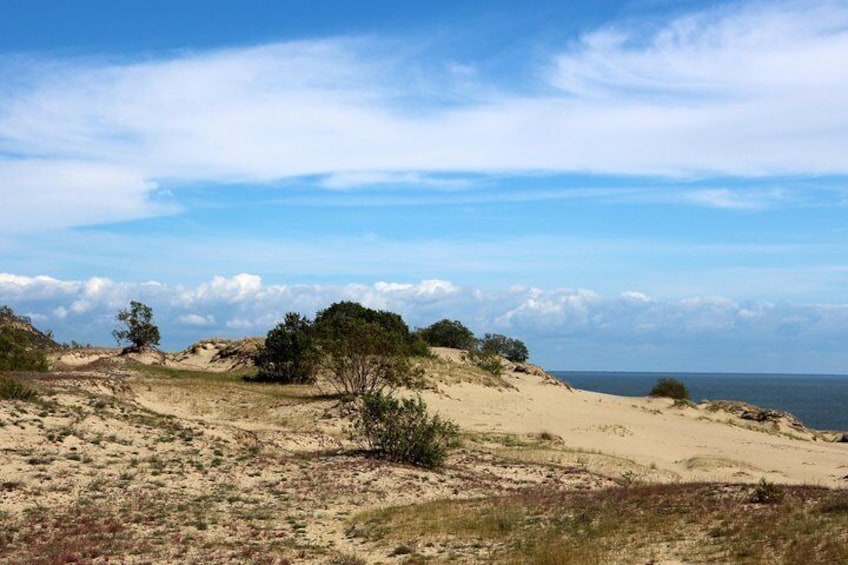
[(746, 89)]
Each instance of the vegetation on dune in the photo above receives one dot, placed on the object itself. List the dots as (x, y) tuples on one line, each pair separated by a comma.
[(448, 333), (13, 389), (670, 388), (138, 327), (402, 430), (507, 347), (693, 523), (22, 347), (289, 355), (365, 351)]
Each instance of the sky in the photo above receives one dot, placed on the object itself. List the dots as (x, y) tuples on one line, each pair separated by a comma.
[(646, 185)]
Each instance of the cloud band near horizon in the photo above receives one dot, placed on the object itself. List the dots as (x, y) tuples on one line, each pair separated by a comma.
[(564, 328)]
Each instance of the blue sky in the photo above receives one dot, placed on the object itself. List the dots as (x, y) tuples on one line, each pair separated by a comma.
[(624, 185)]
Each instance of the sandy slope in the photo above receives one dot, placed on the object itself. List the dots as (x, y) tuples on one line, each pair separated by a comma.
[(205, 467), (654, 439)]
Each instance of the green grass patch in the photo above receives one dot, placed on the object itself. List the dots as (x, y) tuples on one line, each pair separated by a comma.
[(693, 523), (13, 389)]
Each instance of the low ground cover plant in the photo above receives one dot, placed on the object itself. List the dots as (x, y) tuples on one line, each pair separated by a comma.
[(13, 389)]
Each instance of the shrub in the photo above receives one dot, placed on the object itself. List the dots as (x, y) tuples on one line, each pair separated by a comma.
[(364, 358), (498, 344), (140, 330), (18, 353), (364, 350), (335, 322), (289, 355), (447, 333), (670, 388), (486, 360), (767, 493), (401, 430), (13, 389)]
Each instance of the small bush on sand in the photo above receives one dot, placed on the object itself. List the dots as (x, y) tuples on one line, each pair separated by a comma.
[(670, 388), (486, 360), (13, 389), (402, 430), (767, 493)]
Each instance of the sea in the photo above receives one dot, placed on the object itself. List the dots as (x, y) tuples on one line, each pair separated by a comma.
[(820, 401)]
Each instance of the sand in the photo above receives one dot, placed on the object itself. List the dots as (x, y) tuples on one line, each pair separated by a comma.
[(237, 470)]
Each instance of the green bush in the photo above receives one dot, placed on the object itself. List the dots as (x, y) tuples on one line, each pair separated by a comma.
[(13, 389), (670, 388), (448, 333), (486, 360), (336, 322), (18, 353), (498, 344), (289, 355), (401, 430), (364, 351)]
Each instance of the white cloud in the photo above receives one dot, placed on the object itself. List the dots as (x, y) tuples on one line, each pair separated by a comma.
[(346, 180), (197, 320), (557, 324), (747, 89)]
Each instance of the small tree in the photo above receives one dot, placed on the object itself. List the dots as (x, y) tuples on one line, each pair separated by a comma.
[(448, 333), (289, 355), (512, 349), (670, 388), (402, 430), (364, 357), (364, 350), (140, 330)]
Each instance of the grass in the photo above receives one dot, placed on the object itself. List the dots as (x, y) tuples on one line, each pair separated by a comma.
[(700, 523), (13, 389)]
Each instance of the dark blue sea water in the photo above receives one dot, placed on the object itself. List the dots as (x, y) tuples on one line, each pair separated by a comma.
[(820, 401)]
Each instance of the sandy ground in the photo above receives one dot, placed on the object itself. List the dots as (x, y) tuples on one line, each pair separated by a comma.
[(187, 468)]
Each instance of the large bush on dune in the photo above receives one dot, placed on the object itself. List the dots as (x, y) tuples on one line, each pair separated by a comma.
[(360, 350), (20, 349), (448, 333), (289, 355), (507, 347)]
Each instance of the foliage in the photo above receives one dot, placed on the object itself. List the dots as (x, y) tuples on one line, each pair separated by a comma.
[(448, 333), (486, 360), (335, 323), (670, 388), (364, 350), (498, 344), (13, 389), (767, 493), (690, 523), (289, 355), (140, 330), (364, 357), (402, 430), (18, 353)]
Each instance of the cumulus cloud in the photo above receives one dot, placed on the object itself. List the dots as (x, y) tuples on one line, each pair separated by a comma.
[(560, 325), (746, 89)]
